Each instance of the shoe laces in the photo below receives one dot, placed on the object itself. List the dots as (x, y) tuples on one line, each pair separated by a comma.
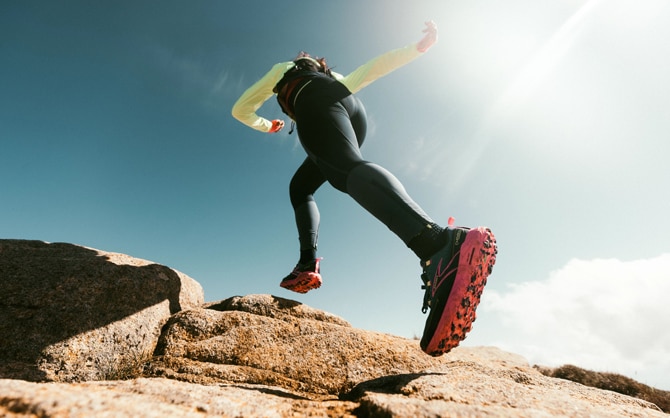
[(426, 296), (428, 285)]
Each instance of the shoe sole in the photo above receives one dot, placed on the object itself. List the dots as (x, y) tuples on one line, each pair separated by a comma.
[(476, 260), (303, 283)]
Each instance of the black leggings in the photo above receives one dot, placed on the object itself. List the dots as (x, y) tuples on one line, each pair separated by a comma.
[(332, 124)]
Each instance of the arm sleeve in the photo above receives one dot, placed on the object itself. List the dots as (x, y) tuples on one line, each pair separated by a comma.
[(253, 98), (379, 67)]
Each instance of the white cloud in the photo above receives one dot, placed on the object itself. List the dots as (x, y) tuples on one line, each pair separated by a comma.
[(605, 315)]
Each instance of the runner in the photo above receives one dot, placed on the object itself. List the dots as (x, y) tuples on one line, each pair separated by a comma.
[(331, 123)]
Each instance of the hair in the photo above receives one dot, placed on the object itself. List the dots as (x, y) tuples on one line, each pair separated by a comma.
[(305, 61)]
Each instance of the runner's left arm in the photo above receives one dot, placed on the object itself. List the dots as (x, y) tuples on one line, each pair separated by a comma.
[(252, 99)]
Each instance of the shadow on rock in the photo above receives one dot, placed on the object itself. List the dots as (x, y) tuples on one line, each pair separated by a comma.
[(52, 296), (385, 384)]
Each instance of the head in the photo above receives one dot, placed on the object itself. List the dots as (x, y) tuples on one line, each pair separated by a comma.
[(305, 61)]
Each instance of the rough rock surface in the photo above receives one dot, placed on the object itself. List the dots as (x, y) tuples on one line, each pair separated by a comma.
[(266, 339), (470, 382), (71, 313), (476, 386), (76, 315), (159, 398)]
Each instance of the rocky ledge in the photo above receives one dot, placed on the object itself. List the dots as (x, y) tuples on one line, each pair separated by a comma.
[(87, 333)]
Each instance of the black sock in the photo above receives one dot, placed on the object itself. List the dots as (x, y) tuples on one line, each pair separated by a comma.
[(428, 242), (307, 256)]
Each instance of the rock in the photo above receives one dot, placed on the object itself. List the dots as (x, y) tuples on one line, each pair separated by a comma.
[(472, 382), (274, 307), (266, 340), (610, 381), (470, 385), (270, 340), (158, 398), (71, 313), (74, 315)]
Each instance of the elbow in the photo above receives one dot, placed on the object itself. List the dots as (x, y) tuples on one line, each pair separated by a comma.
[(235, 112)]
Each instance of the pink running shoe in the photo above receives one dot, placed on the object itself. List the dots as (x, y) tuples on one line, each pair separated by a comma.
[(303, 278), (454, 279)]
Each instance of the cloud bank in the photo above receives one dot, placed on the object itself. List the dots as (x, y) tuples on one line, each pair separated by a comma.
[(604, 314)]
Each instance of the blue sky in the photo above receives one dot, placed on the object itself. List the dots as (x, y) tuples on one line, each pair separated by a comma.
[(547, 121)]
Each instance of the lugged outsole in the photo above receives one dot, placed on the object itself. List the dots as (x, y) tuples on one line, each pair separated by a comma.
[(477, 257), (303, 283)]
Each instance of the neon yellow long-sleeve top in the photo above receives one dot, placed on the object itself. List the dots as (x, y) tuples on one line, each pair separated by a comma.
[(253, 98)]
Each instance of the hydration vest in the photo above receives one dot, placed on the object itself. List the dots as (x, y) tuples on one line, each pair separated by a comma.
[(287, 88)]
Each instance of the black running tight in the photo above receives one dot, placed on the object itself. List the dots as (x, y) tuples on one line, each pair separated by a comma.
[(331, 124)]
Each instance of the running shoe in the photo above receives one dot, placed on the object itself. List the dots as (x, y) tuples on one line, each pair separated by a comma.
[(454, 279), (303, 278)]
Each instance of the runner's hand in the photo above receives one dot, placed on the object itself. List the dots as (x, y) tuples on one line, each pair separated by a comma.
[(429, 38), (277, 126)]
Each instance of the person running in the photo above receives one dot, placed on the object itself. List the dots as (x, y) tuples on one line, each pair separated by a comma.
[(331, 123)]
